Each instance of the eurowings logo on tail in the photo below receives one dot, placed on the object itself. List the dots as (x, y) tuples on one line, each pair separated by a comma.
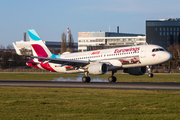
[(39, 50), (38, 46)]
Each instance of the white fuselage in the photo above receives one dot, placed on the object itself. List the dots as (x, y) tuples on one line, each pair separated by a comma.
[(118, 58)]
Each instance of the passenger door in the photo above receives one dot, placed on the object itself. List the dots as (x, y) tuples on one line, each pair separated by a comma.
[(143, 51)]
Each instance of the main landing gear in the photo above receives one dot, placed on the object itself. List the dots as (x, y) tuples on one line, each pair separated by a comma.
[(86, 79), (112, 78), (150, 74)]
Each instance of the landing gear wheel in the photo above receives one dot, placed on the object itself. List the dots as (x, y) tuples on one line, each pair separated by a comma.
[(112, 79), (86, 79), (150, 75)]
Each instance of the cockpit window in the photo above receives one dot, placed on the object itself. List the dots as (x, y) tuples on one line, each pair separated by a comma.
[(158, 49)]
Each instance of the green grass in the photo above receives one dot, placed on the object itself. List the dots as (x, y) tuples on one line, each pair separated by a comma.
[(120, 77), (32, 76), (79, 104)]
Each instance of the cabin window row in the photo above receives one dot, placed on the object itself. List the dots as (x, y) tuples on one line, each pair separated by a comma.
[(126, 53)]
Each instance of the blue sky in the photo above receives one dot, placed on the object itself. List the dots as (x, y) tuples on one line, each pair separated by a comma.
[(50, 18)]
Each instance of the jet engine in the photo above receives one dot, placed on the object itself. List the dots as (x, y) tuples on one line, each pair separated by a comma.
[(98, 69), (136, 70), (31, 63)]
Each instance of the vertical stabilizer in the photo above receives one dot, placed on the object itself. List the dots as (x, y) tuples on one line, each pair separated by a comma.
[(38, 46)]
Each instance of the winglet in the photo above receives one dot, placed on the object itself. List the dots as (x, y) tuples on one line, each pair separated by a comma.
[(17, 50)]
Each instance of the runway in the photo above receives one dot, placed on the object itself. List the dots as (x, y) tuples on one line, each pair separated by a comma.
[(97, 85)]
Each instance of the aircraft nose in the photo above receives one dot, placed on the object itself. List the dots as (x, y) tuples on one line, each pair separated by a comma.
[(168, 56)]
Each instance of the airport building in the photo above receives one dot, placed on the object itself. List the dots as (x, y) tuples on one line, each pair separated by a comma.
[(163, 32), (102, 40), (50, 44)]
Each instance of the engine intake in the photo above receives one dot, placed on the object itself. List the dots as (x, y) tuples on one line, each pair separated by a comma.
[(98, 69), (136, 70)]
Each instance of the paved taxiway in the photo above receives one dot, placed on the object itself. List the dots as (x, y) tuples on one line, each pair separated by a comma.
[(99, 85)]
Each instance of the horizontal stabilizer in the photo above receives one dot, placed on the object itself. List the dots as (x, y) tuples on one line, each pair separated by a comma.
[(17, 50)]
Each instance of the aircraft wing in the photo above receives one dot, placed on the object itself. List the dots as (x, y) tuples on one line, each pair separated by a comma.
[(63, 61)]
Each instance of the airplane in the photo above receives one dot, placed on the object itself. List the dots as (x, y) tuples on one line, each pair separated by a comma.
[(131, 59)]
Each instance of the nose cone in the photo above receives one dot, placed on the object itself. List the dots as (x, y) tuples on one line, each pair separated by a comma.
[(167, 56)]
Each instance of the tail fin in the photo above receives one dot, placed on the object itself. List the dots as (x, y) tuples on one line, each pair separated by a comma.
[(38, 46)]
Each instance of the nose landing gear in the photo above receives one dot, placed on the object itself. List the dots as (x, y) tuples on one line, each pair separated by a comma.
[(150, 75)]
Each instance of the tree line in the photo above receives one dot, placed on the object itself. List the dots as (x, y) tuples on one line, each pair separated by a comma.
[(174, 63), (64, 43), (9, 58)]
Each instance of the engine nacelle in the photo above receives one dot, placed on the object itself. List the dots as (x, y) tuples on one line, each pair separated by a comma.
[(32, 63), (98, 69), (136, 70)]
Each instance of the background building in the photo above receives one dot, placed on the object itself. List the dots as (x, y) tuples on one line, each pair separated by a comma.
[(52, 45), (108, 40), (163, 32)]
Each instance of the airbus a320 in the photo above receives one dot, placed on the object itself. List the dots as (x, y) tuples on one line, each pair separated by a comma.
[(132, 59)]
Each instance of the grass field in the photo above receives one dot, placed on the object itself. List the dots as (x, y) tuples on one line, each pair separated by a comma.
[(72, 103), (80, 103), (120, 77)]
